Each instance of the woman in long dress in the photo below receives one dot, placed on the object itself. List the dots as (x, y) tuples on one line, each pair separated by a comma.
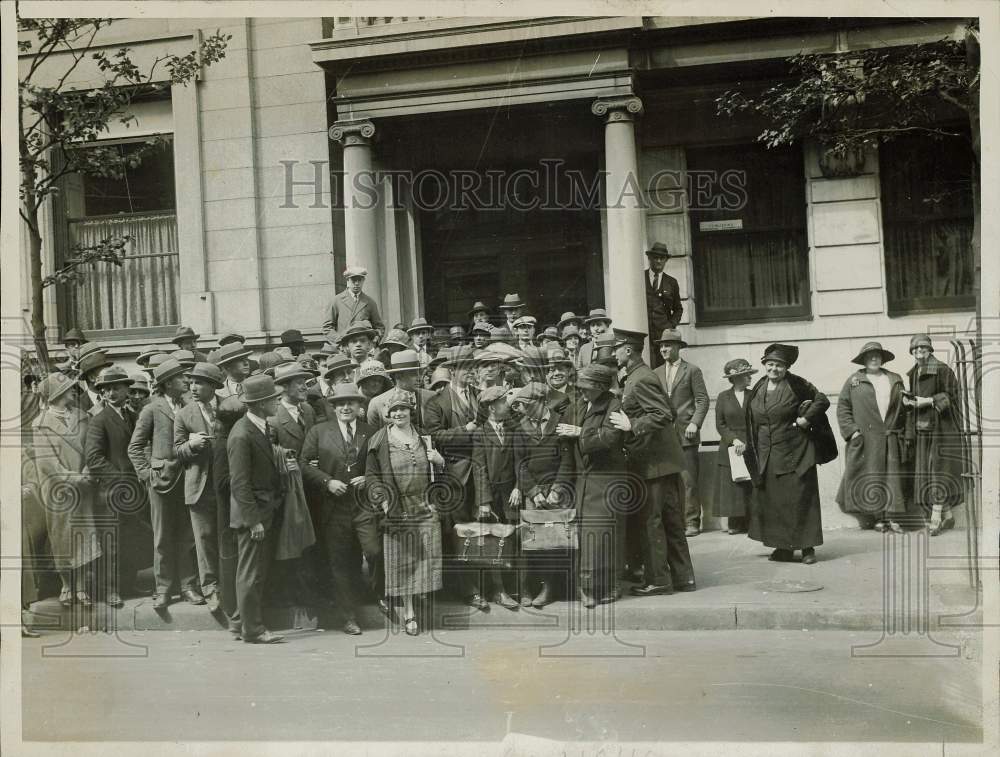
[(732, 498), (789, 436), (399, 475), (872, 419)]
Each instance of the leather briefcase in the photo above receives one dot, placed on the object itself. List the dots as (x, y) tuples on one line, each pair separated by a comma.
[(543, 530), (487, 545)]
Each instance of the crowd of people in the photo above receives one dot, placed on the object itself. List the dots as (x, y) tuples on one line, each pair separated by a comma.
[(368, 468)]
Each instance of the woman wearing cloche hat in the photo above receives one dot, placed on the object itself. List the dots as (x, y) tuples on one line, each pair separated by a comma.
[(872, 420), (789, 435), (732, 498)]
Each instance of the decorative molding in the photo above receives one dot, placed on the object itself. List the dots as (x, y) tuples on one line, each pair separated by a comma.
[(352, 133), (614, 109)]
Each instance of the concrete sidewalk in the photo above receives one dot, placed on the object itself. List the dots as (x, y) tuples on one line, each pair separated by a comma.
[(738, 588)]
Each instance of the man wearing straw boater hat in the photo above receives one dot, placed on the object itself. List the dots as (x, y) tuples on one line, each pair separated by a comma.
[(194, 441), (151, 451), (334, 454), (256, 496), (663, 297), (352, 305), (655, 455), (405, 370), (685, 386)]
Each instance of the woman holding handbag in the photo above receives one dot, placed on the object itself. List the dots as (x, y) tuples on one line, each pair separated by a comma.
[(732, 498), (399, 475), (789, 435)]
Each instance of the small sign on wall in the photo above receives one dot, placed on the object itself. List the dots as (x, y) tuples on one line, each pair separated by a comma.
[(734, 224)]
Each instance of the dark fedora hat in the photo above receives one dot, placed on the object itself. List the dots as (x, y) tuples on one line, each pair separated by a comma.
[(74, 335), (783, 353), (259, 388), (511, 301), (335, 364), (231, 351), (478, 307), (288, 371), (91, 361), (597, 314), (184, 332), (404, 360), (873, 347), (167, 370), (658, 250), (550, 332), (147, 352), (360, 328), (208, 372), (292, 336), (670, 335), (113, 375)]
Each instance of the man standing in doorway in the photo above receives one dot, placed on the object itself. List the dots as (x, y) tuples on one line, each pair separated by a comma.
[(663, 297)]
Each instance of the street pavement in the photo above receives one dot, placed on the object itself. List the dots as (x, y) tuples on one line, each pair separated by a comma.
[(489, 685)]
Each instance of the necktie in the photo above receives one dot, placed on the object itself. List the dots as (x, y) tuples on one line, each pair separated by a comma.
[(350, 433)]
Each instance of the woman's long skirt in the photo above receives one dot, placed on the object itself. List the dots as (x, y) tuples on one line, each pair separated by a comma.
[(413, 558), (785, 512)]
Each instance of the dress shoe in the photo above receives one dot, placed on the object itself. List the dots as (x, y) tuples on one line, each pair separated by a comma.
[(114, 599), (692, 531), (808, 556), (351, 627), (477, 601), (28, 633), (612, 596), (543, 597), (781, 555), (236, 629), (160, 601), (387, 609), (587, 600), (650, 590), (193, 597), (265, 638), (83, 599), (213, 601), (526, 600), (689, 586), (634, 577), (506, 600)]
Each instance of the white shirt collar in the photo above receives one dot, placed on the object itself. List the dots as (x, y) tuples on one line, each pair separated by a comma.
[(260, 423), (347, 427)]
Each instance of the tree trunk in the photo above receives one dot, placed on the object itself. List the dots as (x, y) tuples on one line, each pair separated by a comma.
[(37, 299)]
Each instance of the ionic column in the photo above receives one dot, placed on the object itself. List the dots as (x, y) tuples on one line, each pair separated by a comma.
[(360, 198), (625, 218)]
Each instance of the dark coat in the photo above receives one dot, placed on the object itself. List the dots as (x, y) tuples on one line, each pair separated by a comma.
[(445, 422), (731, 498), (493, 470), (543, 461), (290, 434), (255, 482), (790, 449), (935, 437), (874, 470), (602, 488), (653, 448), (335, 459), (343, 312), (663, 305)]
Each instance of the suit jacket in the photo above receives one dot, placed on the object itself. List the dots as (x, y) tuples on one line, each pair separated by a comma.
[(543, 460), (290, 434), (378, 409), (107, 442), (317, 401), (335, 459), (256, 487), (493, 467), (344, 312), (586, 356), (663, 305), (688, 397), (197, 465), (157, 464), (652, 445), (445, 421)]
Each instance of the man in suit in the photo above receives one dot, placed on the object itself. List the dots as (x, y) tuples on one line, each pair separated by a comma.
[(512, 308), (358, 341), (352, 305), (333, 466), (256, 496), (120, 495), (663, 297), (405, 370), (685, 387), (186, 339), (535, 370), (151, 451), (420, 333), (597, 324), (234, 360), (451, 419), (88, 368), (655, 455), (194, 438), (138, 393), (294, 341)]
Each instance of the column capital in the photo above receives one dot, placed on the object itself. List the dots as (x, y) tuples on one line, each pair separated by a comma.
[(617, 108), (352, 133)]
